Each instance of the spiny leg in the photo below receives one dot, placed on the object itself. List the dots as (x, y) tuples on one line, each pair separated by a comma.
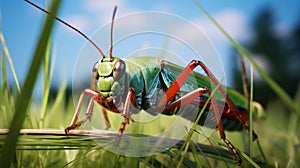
[(178, 82), (228, 100), (221, 129), (130, 100), (87, 117), (93, 95), (189, 98), (107, 123)]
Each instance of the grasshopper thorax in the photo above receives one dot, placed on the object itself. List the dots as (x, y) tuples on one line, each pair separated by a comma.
[(110, 76)]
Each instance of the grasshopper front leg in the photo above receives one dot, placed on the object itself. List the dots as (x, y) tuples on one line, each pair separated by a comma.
[(130, 100), (94, 96), (87, 92)]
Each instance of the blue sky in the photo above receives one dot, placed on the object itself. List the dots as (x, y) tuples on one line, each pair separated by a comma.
[(21, 24)]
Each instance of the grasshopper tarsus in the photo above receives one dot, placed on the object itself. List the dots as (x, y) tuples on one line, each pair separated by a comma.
[(233, 149)]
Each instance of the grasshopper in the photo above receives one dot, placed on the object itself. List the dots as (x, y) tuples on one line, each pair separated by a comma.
[(127, 86)]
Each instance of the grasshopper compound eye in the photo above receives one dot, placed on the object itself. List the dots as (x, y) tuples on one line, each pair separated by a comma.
[(119, 69)]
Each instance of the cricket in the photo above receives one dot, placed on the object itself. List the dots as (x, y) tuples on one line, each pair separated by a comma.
[(126, 86)]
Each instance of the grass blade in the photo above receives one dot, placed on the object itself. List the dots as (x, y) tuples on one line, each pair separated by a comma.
[(46, 87), (6, 52), (7, 107), (292, 128), (272, 84), (3, 67), (183, 149), (8, 152), (261, 152), (250, 160), (250, 113)]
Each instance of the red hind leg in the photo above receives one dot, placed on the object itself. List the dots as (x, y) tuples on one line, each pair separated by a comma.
[(179, 81), (189, 98)]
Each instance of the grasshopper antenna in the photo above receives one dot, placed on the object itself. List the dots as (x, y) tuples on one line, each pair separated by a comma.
[(111, 31), (72, 27)]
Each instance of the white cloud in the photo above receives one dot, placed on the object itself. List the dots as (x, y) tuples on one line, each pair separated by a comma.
[(233, 21), (97, 14)]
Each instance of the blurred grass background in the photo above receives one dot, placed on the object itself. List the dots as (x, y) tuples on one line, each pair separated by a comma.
[(278, 133)]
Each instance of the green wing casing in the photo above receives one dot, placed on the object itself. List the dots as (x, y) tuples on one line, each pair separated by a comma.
[(143, 74)]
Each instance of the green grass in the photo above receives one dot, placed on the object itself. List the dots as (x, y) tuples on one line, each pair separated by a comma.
[(26, 92), (278, 143)]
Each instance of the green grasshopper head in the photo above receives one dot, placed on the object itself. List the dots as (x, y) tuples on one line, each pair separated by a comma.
[(110, 76)]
